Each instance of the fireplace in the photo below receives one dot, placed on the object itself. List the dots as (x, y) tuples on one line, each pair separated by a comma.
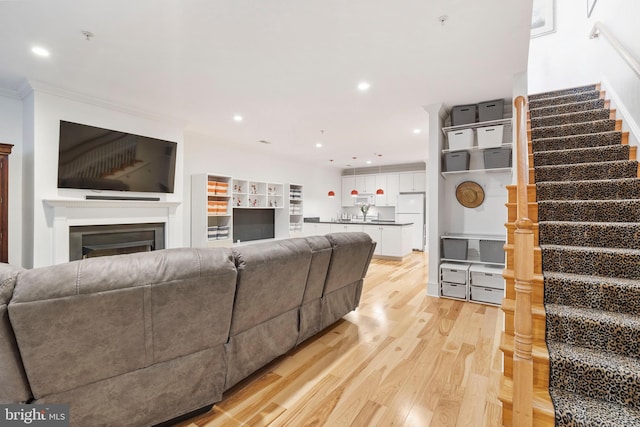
[(89, 241)]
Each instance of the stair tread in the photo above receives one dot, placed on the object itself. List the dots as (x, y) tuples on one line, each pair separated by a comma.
[(595, 315), (590, 278), (617, 147), (537, 310), (585, 165), (590, 87), (584, 223), (557, 138), (584, 410), (538, 350), (586, 181), (619, 251), (597, 359)]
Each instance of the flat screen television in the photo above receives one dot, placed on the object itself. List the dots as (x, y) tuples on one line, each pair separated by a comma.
[(94, 158)]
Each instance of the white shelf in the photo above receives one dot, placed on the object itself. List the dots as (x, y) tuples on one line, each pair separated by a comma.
[(472, 260), (474, 236), (476, 171), (475, 148), (506, 122), (204, 199)]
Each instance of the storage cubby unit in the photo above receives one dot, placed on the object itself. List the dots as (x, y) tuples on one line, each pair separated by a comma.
[(295, 209), (472, 140), (482, 258), (211, 211), (257, 194)]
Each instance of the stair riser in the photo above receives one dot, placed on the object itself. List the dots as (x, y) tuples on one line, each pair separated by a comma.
[(586, 172), (540, 370), (607, 211), (597, 383), (569, 157), (573, 129), (569, 108), (566, 99), (538, 326), (633, 151), (600, 335), (512, 212), (564, 92), (578, 141), (603, 190), (606, 264), (623, 236), (607, 296), (577, 117)]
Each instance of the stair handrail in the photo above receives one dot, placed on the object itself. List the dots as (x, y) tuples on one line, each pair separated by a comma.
[(523, 274), (599, 28)]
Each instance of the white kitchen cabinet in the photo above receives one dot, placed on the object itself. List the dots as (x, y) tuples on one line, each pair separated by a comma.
[(393, 187), (349, 228), (348, 184), (316, 229), (366, 184), (392, 241), (412, 182)]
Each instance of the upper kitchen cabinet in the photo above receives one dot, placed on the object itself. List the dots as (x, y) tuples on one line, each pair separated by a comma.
[(412, 182), (366, 184), (389, 184), (348, 184)]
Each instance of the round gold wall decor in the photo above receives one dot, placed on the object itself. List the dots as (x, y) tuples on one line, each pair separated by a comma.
[(470, 194)]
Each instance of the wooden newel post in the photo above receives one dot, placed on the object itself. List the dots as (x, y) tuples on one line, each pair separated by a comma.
[(523, 272)]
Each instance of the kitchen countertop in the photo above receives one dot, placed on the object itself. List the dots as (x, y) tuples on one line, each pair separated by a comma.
[(390, 223)]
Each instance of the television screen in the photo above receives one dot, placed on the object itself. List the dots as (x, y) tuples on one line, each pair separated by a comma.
[(253, 224), (94, 158)]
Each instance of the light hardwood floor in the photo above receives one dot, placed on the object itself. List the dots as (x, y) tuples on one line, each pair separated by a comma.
[(401, 359)]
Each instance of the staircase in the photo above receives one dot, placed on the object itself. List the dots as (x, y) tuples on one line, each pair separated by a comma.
[(587, 202)]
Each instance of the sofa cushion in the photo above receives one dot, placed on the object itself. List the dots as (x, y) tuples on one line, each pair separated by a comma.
[(271, 280), (13, 381), (350, 259), (88, 320)]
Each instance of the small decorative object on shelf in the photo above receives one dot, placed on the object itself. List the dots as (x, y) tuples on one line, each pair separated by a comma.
[(254, 189)]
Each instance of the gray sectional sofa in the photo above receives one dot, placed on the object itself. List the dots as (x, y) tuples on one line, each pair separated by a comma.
[(135, 340)]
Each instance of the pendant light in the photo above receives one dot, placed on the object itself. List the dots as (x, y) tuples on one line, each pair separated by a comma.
[(354, 192), (379, 191), (331, 194)]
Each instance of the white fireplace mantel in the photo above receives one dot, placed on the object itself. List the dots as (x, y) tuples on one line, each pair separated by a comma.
[(63, 213)]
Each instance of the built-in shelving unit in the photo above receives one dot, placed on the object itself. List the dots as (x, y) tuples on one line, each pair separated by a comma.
[(211, 213), (295, 209), (257, 194)]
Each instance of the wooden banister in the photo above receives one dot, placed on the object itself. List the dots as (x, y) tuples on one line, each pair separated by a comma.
[(523, 272)]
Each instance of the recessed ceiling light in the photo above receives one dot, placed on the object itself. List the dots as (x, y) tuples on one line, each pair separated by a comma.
[(363, 86), (319, 145), (40, 51), (368, 162), (417, 131), (237, 118)]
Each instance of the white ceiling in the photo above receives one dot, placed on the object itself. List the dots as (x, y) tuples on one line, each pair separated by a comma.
[(289, 67)]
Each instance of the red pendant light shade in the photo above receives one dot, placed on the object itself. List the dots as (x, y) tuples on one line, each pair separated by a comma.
[(379, 191), (354, 193), (331, 194)]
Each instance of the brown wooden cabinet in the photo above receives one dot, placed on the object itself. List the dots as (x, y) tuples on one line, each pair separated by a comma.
[(5, 150)]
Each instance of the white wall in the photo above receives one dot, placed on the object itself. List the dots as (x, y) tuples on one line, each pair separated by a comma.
[(207, 154), (569, 58), (11, 133), (41, 162)]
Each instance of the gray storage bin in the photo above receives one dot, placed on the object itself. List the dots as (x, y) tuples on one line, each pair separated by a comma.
[(453, 290), (463, 114), (491, 110), (486, 295), (455, 248), (457, 161), (492, 251), (497, 158)]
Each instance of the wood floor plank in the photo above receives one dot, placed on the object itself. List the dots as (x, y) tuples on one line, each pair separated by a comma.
[(401, 359)]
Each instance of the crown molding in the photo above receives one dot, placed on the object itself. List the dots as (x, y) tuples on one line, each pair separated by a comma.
[(30, 86), (8, 93)]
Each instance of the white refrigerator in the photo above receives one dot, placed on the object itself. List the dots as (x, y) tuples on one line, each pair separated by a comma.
[(410, 208)]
